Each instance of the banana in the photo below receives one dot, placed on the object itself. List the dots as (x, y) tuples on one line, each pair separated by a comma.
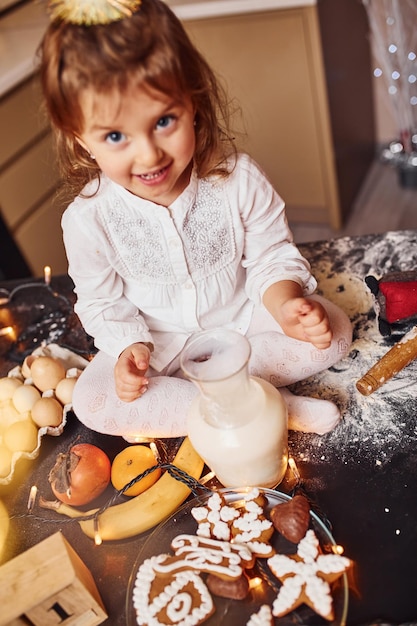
[(144, 511)]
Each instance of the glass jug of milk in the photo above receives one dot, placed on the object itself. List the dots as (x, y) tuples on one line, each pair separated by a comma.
[(237, 423)]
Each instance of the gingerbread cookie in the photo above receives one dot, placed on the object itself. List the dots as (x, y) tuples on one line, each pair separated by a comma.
[(306, 578), (222, 558), (252, 527), (236, 589), (182, 598), (262, 618), (291, 518), (214, 519)]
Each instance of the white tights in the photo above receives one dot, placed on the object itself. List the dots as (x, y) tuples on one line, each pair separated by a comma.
[(162, 410)]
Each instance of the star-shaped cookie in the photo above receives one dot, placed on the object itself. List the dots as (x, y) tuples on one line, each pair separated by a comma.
[(306, 577)]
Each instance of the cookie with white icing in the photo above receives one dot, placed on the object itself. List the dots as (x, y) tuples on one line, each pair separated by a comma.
[(251, 527), (211, 556), (306, 578), (262, 618), (182, 598), (215, 519)]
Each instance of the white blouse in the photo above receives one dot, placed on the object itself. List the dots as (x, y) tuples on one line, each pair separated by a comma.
[(144, 272)]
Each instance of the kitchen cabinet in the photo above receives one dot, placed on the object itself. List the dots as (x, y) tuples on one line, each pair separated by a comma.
[(29, 180), (272, 63), (303, 82)]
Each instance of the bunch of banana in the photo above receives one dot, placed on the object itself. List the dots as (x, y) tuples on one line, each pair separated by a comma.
[(144, 511)]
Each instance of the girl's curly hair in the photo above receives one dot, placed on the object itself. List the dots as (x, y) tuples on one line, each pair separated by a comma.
[(150, 47)]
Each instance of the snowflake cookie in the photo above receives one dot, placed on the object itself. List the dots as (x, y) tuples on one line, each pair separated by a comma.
[(262, 618), (251, 527), (306, 578), (214, 520)]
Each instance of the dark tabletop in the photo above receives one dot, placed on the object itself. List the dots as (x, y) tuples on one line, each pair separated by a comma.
[(361, 478)]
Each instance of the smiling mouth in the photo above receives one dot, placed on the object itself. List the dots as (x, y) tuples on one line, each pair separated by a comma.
[(153, 175)]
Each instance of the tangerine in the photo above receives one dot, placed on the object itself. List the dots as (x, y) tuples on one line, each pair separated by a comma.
[(131, 462)]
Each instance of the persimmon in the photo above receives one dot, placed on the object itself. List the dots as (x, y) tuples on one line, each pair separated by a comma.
[(131, 462), (80, 475)]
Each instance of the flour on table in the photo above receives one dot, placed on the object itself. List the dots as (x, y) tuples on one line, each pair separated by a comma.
[(376, 427), (344, 289)]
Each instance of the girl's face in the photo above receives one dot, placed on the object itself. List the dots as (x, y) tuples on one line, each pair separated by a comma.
[(143, 140)]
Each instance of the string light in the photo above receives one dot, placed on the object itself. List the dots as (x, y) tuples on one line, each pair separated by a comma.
[(7, 330), (47, 274), (293, 467), (97, 536), (255, 582), (392, 30), (209, 476), (155, 451), (32, 497), (44, 322)]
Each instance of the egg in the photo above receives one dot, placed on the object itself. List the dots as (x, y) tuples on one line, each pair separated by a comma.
[(8, 386), (5, 461), (26, 365), (21, 436), (47, 412), (46, 372), (64, 390), (9, 414), (25, 397)]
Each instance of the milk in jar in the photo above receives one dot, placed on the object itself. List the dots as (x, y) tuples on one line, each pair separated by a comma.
[(237, 423)]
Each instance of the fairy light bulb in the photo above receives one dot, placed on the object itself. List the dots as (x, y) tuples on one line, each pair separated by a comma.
[(155, 451), (293, 467), (32, 498), (255, 582), (97, 536), (47, 274), (6, 331)]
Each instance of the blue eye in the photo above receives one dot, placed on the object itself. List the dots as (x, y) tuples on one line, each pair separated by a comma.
[(115, 137), (165, 121)]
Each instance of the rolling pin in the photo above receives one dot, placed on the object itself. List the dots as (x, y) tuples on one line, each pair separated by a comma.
[(398, 357)]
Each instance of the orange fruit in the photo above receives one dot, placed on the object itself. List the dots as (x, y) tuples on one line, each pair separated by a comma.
[(131, 462)]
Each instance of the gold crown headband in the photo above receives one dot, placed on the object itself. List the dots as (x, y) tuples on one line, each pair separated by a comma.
[(88, 12)]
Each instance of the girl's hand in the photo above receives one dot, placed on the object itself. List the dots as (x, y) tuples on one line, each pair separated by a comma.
[(306, 320), (299, 317), (130, 370)]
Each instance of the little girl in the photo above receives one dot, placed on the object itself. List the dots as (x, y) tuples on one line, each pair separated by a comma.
[(172, 230)]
